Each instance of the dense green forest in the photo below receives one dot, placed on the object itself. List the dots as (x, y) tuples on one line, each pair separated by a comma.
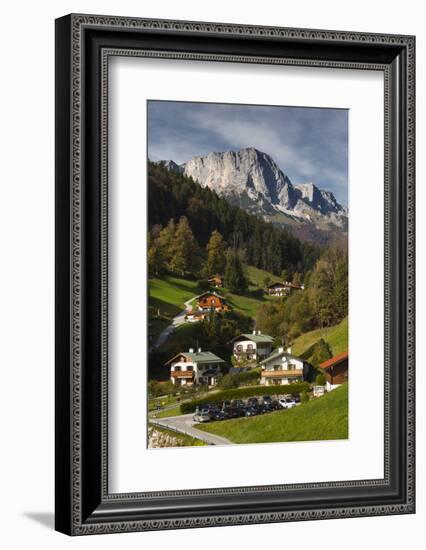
[(193, 214)]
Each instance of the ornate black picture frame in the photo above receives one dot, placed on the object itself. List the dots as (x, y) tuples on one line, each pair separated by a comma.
[(83, 45)]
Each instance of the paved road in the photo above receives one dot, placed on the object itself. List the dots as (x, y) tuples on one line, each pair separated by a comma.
[(185, 424), (178, 320)]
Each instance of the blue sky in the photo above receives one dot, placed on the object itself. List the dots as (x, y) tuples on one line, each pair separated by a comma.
[(308, 144)]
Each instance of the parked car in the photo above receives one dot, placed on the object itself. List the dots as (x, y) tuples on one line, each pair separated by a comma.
[(251, 411), (217, 414), (252, 401), (266, 399), (225, 404), (236, 412), (286, 403), (238, 403), (202, 416), (205, 406), (274, 405), (296, 398)]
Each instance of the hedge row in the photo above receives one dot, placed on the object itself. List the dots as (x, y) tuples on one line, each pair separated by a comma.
[(232, 381), (241, 393)]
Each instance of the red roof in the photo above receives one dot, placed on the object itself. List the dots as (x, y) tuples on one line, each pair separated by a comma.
[(334, 360)]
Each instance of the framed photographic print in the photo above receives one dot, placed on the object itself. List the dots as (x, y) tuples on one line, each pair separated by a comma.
[(234, 213)]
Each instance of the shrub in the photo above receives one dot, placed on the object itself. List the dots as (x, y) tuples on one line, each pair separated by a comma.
[(304, 397), (241, 393), (320, 379), (257, 293), (320, 352), (230, 381)]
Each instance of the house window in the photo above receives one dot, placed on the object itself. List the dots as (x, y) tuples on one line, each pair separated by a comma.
[(177, 369), (190, 368), (291, 367), (277, 367), (239, 347), (250, 347)]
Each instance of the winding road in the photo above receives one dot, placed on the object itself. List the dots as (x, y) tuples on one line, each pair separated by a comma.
[(177, 321), (185, 424)]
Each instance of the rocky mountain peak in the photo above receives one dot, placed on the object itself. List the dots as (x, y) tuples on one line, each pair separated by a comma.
[(251, 179)]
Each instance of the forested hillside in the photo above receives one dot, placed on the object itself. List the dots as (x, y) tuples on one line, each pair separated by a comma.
[(172, 196), (323, 303)]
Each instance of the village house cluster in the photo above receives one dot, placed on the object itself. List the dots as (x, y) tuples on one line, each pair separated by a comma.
[(278, 367)]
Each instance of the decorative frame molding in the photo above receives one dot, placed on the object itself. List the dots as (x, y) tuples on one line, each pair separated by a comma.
[(84, 43)]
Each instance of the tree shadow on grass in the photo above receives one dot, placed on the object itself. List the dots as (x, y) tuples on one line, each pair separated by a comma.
[(165, 307)]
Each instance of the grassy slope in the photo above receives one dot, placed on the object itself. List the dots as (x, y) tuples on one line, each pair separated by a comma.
[(249, 303), (336, 337), (246, 304), (175, 411), (257, 276), (170, 293), (323, 418)]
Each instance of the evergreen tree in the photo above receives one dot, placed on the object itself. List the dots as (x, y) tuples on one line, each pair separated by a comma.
[(235, 279), (260, 243), (165, 241), (216, 254), (285, 275), (185, 252), (320, 353), (156, 264), (297, 279)]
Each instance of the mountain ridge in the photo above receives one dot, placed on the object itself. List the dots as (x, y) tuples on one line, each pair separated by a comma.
[(252, 180)]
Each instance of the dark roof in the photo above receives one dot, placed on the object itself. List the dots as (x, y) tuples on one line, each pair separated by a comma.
[(209, 372), (275, 285), (291, 285), (285, 285), (333, 361)]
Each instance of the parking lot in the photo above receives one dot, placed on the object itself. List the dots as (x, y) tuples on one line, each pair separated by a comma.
[(225, 410), (252, 406)]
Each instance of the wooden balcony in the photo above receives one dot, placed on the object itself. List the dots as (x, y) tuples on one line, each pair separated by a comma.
[(182, 374), (282, 373)]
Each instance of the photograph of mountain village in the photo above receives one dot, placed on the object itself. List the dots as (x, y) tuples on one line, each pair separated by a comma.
[(248, 274)]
